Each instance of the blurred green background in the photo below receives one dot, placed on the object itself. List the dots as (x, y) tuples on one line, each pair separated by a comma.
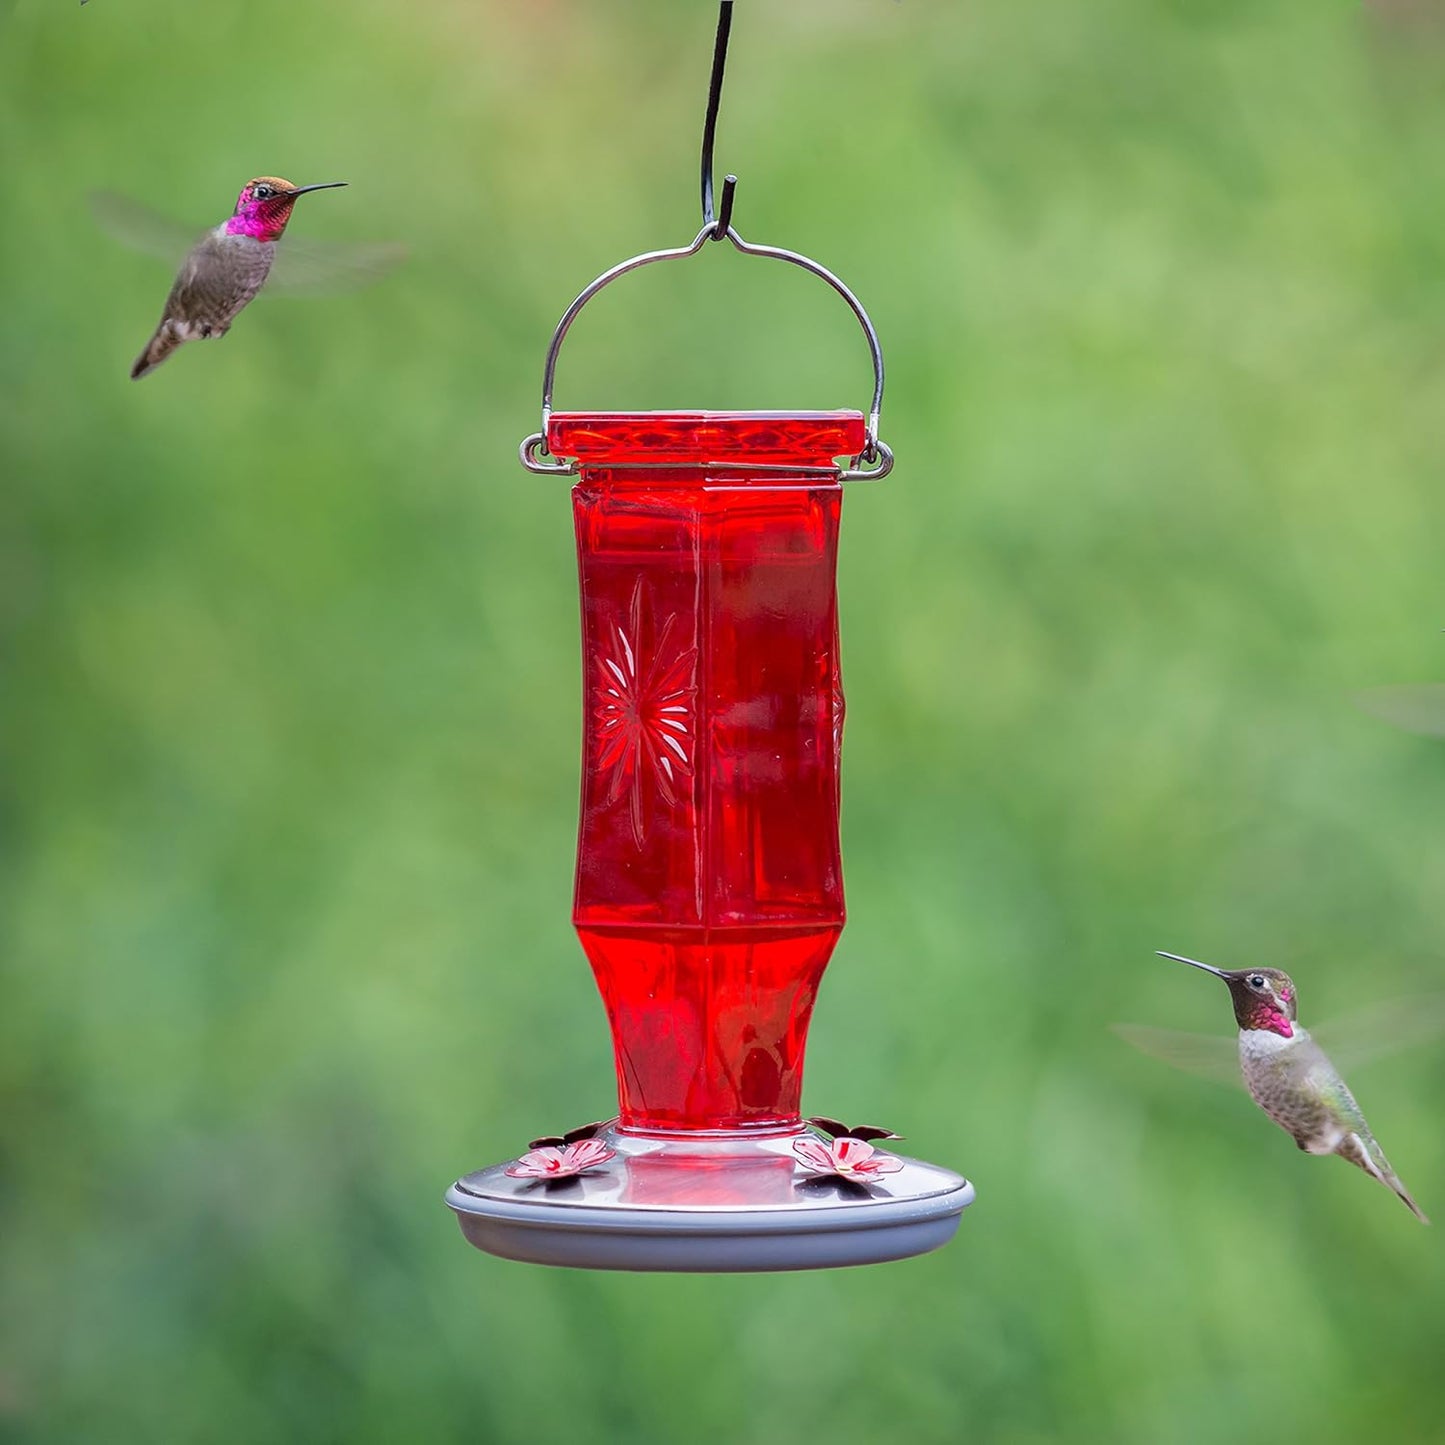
[(290, 707)]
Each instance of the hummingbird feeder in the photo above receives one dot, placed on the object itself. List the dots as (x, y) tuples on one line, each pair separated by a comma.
[(709, 890)]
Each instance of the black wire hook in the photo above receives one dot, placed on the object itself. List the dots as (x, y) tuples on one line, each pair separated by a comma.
[(723, 220)]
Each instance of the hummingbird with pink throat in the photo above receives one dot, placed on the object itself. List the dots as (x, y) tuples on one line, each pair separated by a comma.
[(1286, 1072), (228, 265)]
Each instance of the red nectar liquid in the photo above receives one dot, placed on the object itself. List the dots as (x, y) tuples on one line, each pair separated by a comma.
[(709, 889)]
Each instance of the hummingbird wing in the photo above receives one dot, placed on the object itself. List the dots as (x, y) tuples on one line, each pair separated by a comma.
[(302, 268), (1416, 707), (141, 228), (1210, 1056), (1352, 1042), (1382, 1029), (323, 268)]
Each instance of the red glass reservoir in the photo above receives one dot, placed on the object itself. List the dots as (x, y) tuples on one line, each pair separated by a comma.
[(709, 890)]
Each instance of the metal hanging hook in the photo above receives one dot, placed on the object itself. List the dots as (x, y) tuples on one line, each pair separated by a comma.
[(720, 223), (876, 459)]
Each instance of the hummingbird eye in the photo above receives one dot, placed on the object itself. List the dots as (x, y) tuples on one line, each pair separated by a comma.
[(1256, 980), (262, 193)]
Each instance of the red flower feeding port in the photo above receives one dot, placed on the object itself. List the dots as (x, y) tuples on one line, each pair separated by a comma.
[(709, 889)]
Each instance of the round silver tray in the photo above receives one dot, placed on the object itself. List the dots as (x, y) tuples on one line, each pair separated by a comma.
[(709, 1204)]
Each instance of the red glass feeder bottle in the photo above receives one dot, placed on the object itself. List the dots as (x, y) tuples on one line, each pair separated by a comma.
[(709, 886)]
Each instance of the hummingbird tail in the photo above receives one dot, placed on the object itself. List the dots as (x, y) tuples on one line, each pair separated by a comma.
[(1405, 1195), (1372, 1160), (157, 349)]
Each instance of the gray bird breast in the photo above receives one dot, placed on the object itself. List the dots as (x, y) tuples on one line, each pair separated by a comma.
[(219, 277), (1288, 1079)]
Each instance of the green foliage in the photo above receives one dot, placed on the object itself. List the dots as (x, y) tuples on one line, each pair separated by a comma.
[(290, 699)]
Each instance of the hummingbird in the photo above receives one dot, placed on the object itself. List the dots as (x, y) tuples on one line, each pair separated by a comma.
[(1291, 1077), (225, 268)]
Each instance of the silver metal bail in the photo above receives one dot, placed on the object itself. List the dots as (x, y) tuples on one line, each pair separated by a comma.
[(872, 463)]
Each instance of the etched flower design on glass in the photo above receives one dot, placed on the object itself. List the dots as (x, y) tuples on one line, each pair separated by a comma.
[(643, 711)]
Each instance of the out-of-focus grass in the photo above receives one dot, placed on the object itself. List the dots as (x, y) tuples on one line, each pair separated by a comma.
[(290, 703)]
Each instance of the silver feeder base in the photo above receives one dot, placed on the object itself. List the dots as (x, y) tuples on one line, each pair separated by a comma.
[(709, 1204)]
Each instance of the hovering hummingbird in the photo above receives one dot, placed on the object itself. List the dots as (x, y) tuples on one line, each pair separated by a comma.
[(227, 266), (1288, 1074)]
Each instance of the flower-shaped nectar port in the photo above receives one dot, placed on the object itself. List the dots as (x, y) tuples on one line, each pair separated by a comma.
[(565, 1162), (846, 1157), (563, 1156)]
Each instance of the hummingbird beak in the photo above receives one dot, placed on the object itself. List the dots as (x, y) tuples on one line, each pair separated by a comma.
[(1193, 963), (324, 186)]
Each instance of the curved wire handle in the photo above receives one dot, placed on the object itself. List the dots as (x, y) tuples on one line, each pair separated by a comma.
[(875, 460), (872, 463)]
